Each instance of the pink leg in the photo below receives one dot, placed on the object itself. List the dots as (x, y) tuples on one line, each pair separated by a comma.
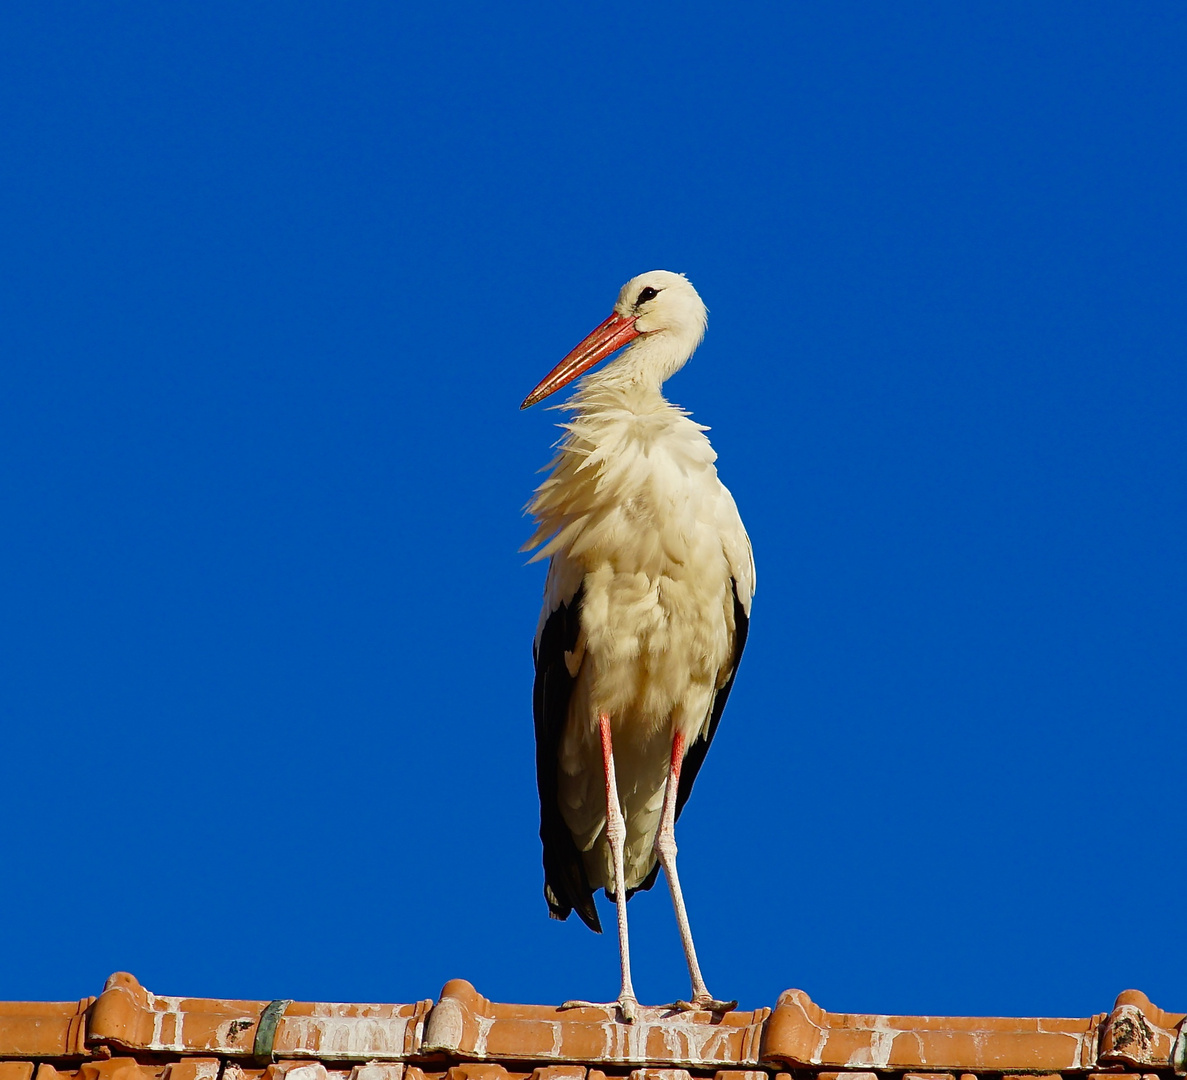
[(616, 835), (627, 1003), (665, 849)]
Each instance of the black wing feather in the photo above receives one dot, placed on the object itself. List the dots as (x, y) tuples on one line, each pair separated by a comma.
[(696, 753), (566, 884)]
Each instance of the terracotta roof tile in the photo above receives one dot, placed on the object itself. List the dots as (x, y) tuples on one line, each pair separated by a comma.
[(128, 1033), (43, 1028), (800, 1032), (466, 1025), (128, 1016)]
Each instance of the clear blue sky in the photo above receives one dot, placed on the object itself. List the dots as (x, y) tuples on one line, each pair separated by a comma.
[(276, 278)]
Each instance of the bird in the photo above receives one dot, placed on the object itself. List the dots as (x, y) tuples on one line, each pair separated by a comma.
[(646, 610)]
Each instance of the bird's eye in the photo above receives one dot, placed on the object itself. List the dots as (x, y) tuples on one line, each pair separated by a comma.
[(647, 294)]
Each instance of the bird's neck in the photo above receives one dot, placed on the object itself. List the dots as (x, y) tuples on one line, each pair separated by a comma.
[(637, 376)]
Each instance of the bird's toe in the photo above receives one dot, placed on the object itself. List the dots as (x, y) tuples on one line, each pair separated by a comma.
[(703, 1004), (628, 1007)]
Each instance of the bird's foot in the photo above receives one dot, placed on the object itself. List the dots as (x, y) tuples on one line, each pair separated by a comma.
[(703, 1003), (626, 1005)]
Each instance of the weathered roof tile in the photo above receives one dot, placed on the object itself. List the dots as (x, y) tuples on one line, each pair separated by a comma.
[(130, 1034), (43, 1028), (802, 1033), (468, 1025), (128, 1016), (1139, 1033)]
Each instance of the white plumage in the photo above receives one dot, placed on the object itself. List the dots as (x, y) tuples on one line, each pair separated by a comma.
[(645, 608)]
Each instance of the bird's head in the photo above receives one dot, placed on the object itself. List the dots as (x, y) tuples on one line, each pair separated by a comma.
[(660, 311), (661, 302)]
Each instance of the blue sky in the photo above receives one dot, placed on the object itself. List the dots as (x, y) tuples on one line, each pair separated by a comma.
[(276, 278)]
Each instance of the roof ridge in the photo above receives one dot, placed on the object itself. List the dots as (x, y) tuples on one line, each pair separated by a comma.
[(183, 1038)]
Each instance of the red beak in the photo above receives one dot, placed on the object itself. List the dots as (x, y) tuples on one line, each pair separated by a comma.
[(612, 335)]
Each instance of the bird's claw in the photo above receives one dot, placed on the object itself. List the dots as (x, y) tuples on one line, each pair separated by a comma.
[(703, 1004), (628, 1006)]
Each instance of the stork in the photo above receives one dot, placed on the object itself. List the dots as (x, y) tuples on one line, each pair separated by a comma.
[(646, 608)]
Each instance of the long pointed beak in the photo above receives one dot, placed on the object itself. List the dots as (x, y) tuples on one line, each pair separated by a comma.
[(612, 335)]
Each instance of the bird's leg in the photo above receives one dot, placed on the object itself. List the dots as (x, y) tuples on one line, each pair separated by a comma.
[(627, 1003), (616, 835), (665, 849)]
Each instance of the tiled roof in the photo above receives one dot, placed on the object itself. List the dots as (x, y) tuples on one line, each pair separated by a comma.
[(128, 1033)]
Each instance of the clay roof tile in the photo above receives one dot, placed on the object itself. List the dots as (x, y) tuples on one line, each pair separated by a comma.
[(128, 1033)]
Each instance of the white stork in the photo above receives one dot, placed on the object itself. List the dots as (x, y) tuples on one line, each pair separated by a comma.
[(646, 608)]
